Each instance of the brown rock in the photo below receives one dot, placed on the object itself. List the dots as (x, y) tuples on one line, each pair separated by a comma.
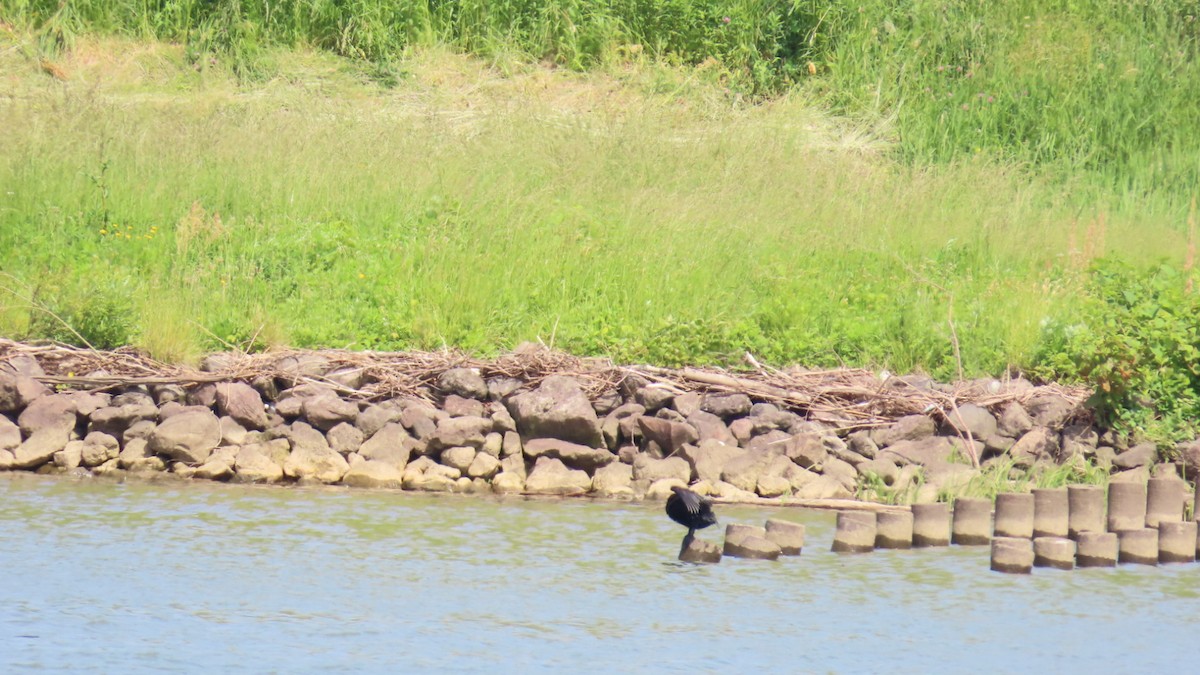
[(460, 431), (726, 406), (241, 402), (806, 450), (373, 474), (372, 418), (551, 477), (572, 454), (1039, 443), (709, 458), (924, 452), (17, 392), (1050, 410), (54, 410), (483, 466), (98, 448), (345, 438), (311, 456), (255, 465), (823, 487), (464, 382), (188, 437), (710, 427), (326, 412), (1013, 420), (391, 444), (558, 409), (773, 486), (40, 447), (1139, 455), (10, 434), (457, 406), (459, 457), (907, 428), (653, 397), (650, 469), (745, 470), (670, 436), (613, 481)]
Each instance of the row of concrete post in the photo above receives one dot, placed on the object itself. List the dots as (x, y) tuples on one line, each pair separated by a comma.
[(1059, 527)]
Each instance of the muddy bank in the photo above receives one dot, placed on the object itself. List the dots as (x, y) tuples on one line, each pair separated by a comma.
[(539, 423)]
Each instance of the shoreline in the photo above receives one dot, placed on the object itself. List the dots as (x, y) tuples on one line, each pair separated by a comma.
[(542, 423)]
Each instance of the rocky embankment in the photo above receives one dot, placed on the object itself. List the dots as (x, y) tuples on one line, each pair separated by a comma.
[(470, 430)]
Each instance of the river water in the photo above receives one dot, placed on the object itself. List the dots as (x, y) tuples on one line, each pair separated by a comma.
[(99, 576)]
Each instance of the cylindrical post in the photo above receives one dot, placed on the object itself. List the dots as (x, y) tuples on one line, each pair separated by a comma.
[(1164, 500), (931, 524), (1051, 510), (1012, 554), (1176, 541), (1056, 552), (1097, 549), (1126, 507), (855, 532), (1085, 510), (972, 521), (1014, 515), (748, 541), (788, 535), (894, 529), (1138, 546)]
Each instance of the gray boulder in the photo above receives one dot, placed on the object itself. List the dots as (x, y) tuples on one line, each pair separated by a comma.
[(98, 448), (709, 426), (460, 431), (745, 470), (806, 450), (459, 457), (1013, 421), (372, 418), (1039, 443), (1137, 456), (345, 438), (558, 408), (457, 406), (391, 444), (188, 437), (483, 465), (922, 452), (254, 464)]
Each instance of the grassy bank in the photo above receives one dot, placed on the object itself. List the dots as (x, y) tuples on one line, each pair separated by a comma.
[(909, 186)]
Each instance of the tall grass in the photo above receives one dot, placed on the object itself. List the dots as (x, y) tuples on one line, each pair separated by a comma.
[(760, 42), (1103, 87)]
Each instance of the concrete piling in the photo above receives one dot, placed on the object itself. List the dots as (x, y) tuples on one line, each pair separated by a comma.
[(1051, 512), (1014, 515), (1056, 552), (787, 535), (748, 541), (1013, 555), (699, 551), (894, 529), (855, 532), (1127, 507), (1097, 549), (1138, 546), (1176, 541), (931, 524), (972, 525), (1085, 510), (1164, 500)]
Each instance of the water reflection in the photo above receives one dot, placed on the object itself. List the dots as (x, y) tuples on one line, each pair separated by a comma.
[(125, 577)]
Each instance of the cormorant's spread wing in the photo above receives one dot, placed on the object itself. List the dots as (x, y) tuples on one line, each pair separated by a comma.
[(691, 501)]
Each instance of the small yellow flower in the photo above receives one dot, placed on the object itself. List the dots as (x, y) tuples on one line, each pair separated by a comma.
[(103, 231), (361, 275), (129, 236)]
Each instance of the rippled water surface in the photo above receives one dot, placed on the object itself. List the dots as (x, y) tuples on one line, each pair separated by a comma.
[(107, 577)]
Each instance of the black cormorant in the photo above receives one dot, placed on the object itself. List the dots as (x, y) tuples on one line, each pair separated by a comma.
[(690, 510)]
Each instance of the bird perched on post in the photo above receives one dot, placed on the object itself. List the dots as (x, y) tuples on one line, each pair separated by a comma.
[(690, 509)]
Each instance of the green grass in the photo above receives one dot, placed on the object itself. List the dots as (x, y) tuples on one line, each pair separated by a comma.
[(366, 218), (909, 185)]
